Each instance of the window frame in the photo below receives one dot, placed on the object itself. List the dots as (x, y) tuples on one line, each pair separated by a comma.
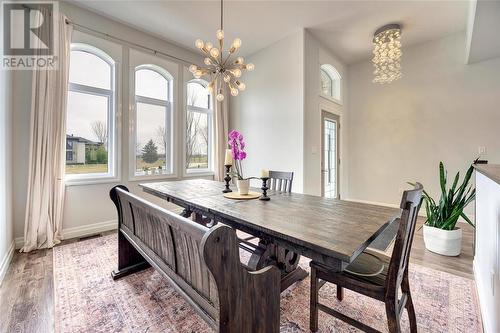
[(210, 121), (323, 71), (169, 119), (111, 95), (335, 80)]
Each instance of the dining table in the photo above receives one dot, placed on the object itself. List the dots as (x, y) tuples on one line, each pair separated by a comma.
[(329, 231)]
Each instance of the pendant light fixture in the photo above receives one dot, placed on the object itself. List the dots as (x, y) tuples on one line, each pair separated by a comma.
[(219, 67), (387, 54)]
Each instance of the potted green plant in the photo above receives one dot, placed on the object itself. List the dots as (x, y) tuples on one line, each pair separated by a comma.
[(441, 235)]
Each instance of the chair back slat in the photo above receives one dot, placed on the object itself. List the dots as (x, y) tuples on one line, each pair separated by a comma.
[(410, 205), (280, 181)]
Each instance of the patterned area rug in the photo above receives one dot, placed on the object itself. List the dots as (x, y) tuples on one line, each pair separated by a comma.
[(88, 300)]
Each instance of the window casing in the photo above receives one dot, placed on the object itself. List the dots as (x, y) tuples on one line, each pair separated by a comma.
[(91, 135), (199, 128), (330, 82), (153, 121)]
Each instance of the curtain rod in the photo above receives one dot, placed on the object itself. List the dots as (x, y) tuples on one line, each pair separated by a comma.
[(155, 52), (85, 28)]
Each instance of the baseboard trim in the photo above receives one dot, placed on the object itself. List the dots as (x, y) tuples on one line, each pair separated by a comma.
[(89, 229), (420, 213), (81, 231), (373, 203), (4, 267)]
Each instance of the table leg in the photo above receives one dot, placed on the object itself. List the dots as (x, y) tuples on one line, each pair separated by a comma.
[(203, 220), (268, 253), (186, 212)]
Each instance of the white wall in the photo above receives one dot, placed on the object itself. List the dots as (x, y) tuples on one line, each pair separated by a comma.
[(441, 110), (6, 223), (88, 207), (269, 113), (315, 56), (487, 255)]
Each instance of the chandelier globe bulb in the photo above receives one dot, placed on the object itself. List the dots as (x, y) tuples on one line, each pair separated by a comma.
[(219, 34), (193, 68), (236, 43), (199, 44), (214, 52), (236, 72)]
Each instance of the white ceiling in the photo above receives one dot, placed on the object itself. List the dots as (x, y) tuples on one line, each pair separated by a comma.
[(345, 27)]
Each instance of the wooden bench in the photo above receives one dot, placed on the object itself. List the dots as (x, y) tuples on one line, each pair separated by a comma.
[(202, 264)]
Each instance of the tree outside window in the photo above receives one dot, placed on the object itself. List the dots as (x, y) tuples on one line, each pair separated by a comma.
[(198, 127), (153, 114)]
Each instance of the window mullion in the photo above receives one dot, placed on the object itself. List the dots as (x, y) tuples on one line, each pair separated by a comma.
[(149, 100), (191, 108), (88, 89)]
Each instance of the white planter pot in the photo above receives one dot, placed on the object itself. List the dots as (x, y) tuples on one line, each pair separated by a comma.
[(445, 242), (243, 186)]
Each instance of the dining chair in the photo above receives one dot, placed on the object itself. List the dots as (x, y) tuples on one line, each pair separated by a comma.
[(280, 181), (375, 275)]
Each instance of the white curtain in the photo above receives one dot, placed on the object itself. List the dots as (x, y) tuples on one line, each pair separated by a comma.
[(221, 130), (45, 199)]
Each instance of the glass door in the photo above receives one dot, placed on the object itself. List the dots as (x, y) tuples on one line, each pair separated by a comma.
[(330, 156)]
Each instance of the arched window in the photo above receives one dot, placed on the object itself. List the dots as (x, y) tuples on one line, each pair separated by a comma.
[(90, 117), (153, 113), (330, 81), (198, 127)]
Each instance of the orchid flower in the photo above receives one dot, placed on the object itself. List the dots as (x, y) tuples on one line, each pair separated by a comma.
[(237, 145)]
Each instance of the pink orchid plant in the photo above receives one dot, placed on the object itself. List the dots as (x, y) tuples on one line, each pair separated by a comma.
[(237, 145)]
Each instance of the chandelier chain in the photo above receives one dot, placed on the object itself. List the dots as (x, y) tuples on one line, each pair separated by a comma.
[(220, 68)]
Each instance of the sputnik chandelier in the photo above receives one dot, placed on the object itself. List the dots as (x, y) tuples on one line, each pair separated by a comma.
[(387, 54), (219, 66)]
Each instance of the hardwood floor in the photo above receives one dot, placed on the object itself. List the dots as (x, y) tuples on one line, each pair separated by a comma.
[(461, 265), (27, 292)]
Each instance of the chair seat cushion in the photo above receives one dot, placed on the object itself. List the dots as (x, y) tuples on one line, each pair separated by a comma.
[(367, 264), (369, 267)]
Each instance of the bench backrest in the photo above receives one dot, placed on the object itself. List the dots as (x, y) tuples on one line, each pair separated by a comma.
[(202, 264), (175, 241)]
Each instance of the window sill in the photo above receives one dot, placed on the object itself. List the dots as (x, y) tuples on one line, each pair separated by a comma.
[(91, 181), (331, 99), (137, 178), (191, 174)]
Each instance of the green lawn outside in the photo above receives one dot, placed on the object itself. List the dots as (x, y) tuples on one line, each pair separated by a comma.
[(140, 164), (74, 169), (197, 162)]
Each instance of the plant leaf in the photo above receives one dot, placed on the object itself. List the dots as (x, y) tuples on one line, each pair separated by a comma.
[(466, 218)]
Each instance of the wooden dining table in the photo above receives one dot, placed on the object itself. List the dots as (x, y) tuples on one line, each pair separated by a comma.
[(329, 231)]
